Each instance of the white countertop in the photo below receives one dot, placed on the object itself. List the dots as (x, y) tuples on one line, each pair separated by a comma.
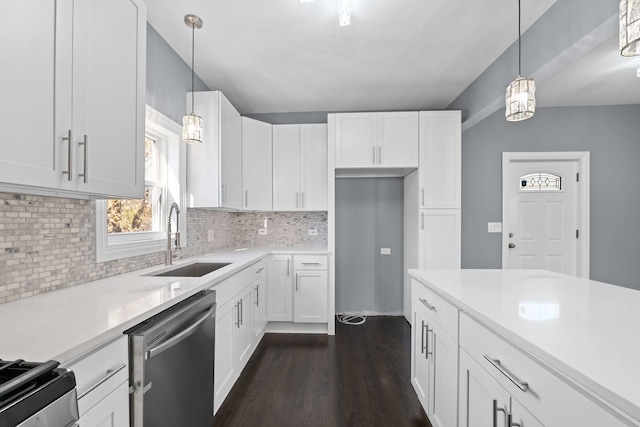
[(65, 324), (587, 330)]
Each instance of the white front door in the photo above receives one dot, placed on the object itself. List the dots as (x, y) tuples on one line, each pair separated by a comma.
[(541, 215)]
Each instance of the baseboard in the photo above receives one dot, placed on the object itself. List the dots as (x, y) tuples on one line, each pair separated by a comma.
[(296, 328)]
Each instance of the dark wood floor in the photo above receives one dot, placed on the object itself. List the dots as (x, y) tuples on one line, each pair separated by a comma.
[(359, 377)]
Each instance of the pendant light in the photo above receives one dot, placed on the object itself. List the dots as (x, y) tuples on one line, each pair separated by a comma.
[(630, 27), (192, 123), (521, 93)]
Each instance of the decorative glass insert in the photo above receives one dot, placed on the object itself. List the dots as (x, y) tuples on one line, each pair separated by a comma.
[(541, 182)]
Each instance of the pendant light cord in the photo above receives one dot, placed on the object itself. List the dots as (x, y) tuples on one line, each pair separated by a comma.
[(193, 50), (519, 43)]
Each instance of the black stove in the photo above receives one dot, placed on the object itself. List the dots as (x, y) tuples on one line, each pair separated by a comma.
[(37, 394)]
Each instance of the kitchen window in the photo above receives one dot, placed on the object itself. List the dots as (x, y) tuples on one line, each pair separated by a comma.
[(131, 227)]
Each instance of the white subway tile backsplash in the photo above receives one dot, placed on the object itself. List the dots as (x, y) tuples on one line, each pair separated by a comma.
[(48, 243)]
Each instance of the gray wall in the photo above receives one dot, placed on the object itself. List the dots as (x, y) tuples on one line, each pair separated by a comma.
[(168, 78), (369, 216), (610, 133)]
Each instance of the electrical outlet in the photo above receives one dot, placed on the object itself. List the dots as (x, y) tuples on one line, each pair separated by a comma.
[(385, 251), (210, 235), (263, 231), (312, 232), (494, 227)]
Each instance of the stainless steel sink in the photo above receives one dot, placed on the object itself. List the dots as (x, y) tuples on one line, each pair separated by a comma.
[(197, 269)]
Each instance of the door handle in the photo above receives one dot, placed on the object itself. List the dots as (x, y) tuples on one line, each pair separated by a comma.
[(257, 296), (512, 245), (69, 138), (374, 155), (380, 154), (246, 198), (422, 338), (85, 174), (495, 412)]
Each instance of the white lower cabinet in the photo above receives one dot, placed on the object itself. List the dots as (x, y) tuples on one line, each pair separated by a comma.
[(527, 392), (102, 380), (280, 298), (240, 325), (434, 362), (310, 297)]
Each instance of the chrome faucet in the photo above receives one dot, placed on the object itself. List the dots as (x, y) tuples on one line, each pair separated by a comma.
[(170, 253)]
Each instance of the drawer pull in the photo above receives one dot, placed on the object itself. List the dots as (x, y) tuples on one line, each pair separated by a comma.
[(110, 373), (523, 386), (426, 304), (260, 271), (495, 412), (310, 263)]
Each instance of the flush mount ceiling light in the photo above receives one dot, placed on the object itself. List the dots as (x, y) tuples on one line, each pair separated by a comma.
[(521, 93), (630, 27), (192, 123), (344, 13)]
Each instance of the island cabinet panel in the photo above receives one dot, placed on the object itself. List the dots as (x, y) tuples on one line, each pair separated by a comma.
[(434, 364), (538, 391)]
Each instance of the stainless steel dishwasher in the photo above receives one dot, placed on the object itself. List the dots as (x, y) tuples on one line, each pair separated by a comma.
[(171, 365)]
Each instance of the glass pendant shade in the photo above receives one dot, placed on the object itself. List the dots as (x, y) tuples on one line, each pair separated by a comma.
[(520, 99), (630, 27), (192, 128)]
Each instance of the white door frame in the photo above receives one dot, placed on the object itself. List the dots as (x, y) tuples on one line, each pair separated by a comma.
[(583, 221)]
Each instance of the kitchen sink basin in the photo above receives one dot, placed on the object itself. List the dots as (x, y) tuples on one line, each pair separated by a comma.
[(197, 269)]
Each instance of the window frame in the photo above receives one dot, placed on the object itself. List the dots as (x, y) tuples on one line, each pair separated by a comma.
[(172, 155)]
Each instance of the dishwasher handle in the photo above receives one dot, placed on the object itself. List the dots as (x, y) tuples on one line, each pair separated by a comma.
[(181, 336)]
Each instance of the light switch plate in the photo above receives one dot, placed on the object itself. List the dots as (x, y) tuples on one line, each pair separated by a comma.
[(312, 232), (385, 251), (263, 231), (494, 227)]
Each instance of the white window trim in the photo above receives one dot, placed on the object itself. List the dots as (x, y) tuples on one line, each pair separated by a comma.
[(127, 245)]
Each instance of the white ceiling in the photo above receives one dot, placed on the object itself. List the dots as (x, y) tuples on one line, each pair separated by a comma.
[(600, 77), (271, 56)]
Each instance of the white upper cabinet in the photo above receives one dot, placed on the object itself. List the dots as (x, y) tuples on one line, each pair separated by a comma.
[(300, 167), (377, 140), (313, 167), (78, 77), (256, 165), (440, 159), (398, 139), (214, 168)]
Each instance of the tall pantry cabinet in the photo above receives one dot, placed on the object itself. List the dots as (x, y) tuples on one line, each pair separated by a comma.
[(432, 215)]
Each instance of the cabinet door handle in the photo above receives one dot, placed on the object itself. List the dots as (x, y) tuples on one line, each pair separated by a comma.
[(495, 412), (374, 155), (433, 342), (522, 385), (246, 198), (379, 154), (110, 373), (296, 280), (422, 347), (238, 314), (422, 199), (85, 173), (426, 304), (257, 296), (69, 138), (242, 311), (422, 220), (288, 267), (510, 422)]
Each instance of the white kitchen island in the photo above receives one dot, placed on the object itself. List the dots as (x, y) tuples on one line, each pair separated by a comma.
[(534, 348)]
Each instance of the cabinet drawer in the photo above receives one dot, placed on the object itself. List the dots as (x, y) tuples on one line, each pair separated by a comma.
[(310, 262), (101, 372), (552, 400), (442, 312)]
